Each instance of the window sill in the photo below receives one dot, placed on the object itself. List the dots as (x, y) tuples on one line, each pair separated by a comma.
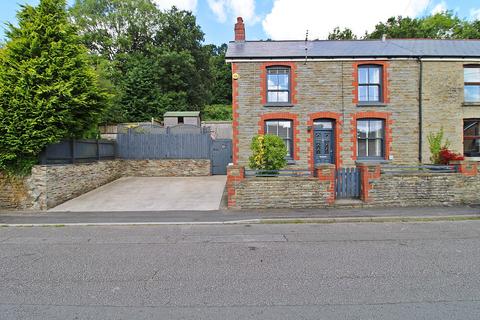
[(473, 158), (371, 104), (269, 105), (471, 104), (372, 161)]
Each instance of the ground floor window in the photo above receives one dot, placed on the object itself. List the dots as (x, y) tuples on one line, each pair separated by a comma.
[(283, 129), (370, 139), (471, 137)]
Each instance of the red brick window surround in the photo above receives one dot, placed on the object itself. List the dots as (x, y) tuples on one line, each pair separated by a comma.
[(386, 117), (283, 116), (292, 82), (384, 94)]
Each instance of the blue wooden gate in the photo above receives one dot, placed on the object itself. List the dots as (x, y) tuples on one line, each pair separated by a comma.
[(221, 155), (347, 183)]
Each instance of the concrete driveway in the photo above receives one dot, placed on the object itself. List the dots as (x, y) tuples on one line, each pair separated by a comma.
[(151, 194)]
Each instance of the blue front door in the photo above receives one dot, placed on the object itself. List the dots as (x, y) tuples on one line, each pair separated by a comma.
[(324, 142)]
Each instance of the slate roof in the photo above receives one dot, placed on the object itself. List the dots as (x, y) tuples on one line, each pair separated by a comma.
[(182, 114), (390, 48)]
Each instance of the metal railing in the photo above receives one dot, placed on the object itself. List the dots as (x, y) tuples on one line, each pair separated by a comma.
[(279, 173), (406, 169)]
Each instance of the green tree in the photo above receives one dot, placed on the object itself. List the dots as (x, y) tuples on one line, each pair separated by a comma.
[(345, 34), (221, 75), (157, 60), (48, 90), (444, 25)]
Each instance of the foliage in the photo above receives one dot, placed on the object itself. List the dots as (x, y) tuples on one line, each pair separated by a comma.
[(446, 156), (217, 112), (221, 75), (345, 34), (156, 60), (268, 153), (48, 90), (436, 145), (444, 25)]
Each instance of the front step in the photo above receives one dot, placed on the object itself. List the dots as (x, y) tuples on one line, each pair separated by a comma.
[(348, 203)]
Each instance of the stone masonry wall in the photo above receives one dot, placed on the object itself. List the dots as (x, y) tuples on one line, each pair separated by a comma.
[(167, 168), (65, 182), (426, 189), (49, 186), (323, 87), (281, 192)]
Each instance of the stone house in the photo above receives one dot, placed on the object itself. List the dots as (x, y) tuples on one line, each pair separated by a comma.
[(342, 102)]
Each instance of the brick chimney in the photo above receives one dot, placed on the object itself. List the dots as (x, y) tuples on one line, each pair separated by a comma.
[(239, 30)]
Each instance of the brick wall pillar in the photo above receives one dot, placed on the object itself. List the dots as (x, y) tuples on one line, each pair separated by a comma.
[(235, 174), (326, 172), (466, 168), (368, 172)]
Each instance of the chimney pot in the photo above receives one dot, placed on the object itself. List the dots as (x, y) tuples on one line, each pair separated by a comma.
[(239, 30)]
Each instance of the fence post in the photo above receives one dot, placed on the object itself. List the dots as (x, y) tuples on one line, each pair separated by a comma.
[(235, 174)]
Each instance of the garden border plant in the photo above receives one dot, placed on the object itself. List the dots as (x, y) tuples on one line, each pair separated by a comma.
[(268, 154)]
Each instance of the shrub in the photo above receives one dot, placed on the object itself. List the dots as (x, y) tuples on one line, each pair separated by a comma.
[(217, 112), (446, 156), (268, 153), (435, 144)]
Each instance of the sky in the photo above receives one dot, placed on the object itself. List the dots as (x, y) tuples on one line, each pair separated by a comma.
[(289, 19)]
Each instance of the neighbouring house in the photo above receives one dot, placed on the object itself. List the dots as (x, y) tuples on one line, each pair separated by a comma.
[(342, 102), (173, 118)]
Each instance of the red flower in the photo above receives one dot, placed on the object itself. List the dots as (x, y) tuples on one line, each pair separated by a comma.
[(446, 156)]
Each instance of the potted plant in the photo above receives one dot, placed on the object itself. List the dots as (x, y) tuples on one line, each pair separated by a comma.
[(268, 154)]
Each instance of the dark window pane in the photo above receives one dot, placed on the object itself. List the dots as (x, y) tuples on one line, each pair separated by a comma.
[(471, 74), (362, 148), (471, 127), (271, 127), (375, 148)]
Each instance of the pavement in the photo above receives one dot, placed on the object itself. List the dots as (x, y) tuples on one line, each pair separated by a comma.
[(239, 216), (151, 193), (295, 271)]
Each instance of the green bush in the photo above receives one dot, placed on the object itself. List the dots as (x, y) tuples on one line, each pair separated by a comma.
[(268, 153), (436, 145), (217, 112), (48, 90)]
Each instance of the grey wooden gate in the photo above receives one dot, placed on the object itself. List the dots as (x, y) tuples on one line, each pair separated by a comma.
[(347, 183), (221, 155)]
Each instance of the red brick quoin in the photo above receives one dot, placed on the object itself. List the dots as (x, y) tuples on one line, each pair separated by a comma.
[(386, 116), (235, 115), (385, 79), (293, 79), (283, 116), (337, 132)]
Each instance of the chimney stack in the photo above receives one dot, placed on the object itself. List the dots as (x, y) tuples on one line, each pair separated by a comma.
[(239, 30)]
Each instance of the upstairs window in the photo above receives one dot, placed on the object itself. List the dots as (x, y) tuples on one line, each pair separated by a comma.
[(278, 85), (283, 129), (370, 83), (370, 139), (471, 76), (471, 137)]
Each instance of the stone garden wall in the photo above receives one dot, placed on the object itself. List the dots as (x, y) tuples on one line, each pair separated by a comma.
[(378, 189), (49, 186)]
